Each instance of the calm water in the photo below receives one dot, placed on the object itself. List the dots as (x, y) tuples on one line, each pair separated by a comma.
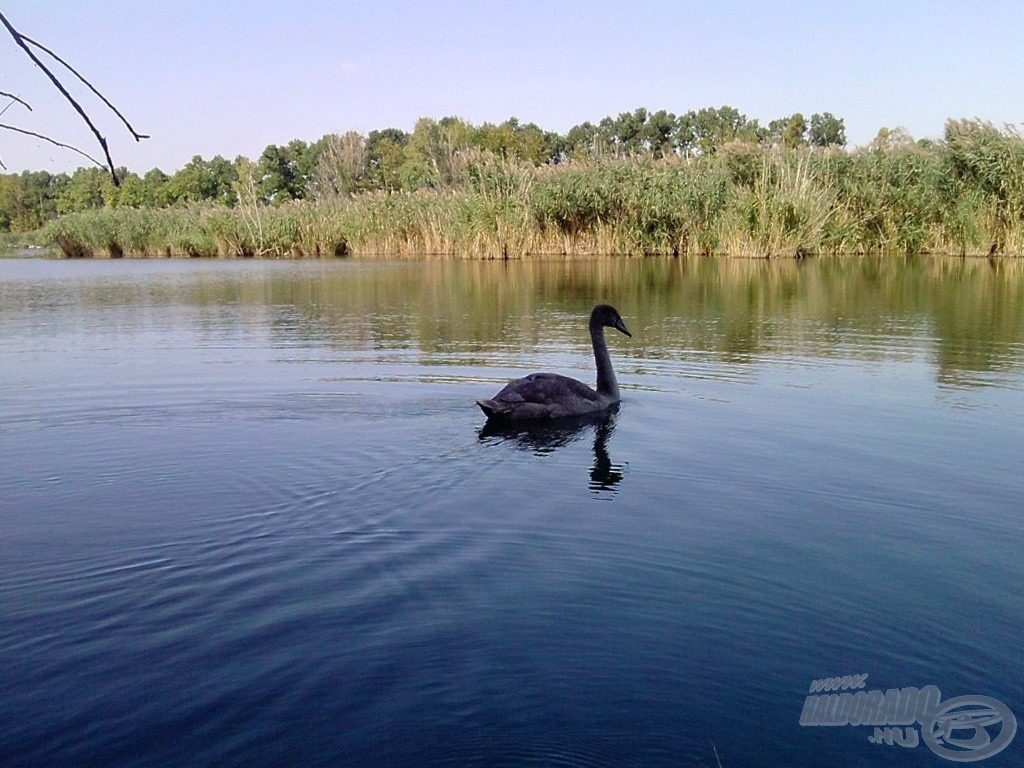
[(249, 516)]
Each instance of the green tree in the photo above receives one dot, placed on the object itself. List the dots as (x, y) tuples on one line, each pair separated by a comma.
[(707, 129), (794, 134), (498, 139), (386, 153), (512, 139), (428, 158), (892, 140), (16, 211), (29, 199), (827, 130), (203, 179), (87, 188), (303, 158), (628, 131), (685, 134), (535, 145), (658, 133), (581, 141), (131, 193), (155, 191), (280, 173)]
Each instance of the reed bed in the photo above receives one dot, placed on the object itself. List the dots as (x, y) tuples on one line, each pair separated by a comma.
[(964, 196)]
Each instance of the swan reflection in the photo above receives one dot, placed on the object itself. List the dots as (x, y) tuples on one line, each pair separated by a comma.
[(543, 438)]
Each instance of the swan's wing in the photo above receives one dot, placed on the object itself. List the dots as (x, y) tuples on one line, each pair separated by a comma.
[(542, 395), (545, 388)]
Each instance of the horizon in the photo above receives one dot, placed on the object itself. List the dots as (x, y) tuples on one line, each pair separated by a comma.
[(233, 78)]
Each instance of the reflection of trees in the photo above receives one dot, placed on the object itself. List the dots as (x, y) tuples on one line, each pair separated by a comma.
[(978, 319), (734, 310), (542, 438), (969, 311)]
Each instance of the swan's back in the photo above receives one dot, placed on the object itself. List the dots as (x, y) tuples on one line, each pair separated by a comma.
[(543, 396)]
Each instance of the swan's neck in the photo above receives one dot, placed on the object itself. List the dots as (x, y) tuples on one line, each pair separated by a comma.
[(606, 383)]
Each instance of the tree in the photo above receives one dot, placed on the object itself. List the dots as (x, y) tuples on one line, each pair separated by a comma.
[(498, 139), (303, 158), (29, 199), (87, 188), (155, 188), (17, 213), (203, 179), (385, 150), (827, 130), (794, 133), (897, 138), (342, 165), (581, 141), (280, 170), (512, 139), (685, 136), (628, 130), (429, 160), (130, 193), (709, 128), (658, 133)]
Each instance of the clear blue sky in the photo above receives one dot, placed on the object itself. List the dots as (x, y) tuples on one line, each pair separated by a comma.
[(229, 77)]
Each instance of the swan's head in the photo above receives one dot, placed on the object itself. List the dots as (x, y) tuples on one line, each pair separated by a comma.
[(607, 315)]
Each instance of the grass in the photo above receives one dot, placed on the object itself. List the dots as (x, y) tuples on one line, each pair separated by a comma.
[(10, 242), (962, 196)]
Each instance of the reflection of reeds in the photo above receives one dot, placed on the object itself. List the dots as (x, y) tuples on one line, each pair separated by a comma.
[(963, 197), (970, 312)]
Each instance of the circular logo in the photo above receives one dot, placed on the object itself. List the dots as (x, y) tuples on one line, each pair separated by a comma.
[(958, 729)]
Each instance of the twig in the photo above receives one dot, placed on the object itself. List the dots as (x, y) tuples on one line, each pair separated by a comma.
[(23, 43), (135, 134), (14, 100), (52, 141)]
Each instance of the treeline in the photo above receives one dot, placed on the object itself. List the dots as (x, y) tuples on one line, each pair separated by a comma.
[(961, 195), (709, 182), (435, 155)]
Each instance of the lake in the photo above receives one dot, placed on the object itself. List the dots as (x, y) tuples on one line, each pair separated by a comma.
[(250, 515)]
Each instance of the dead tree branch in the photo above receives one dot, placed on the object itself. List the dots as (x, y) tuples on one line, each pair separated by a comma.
[(26, 44), (56, 143), (135, 134), (14, 100)]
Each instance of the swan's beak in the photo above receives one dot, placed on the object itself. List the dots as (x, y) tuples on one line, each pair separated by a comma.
[(621, 326)]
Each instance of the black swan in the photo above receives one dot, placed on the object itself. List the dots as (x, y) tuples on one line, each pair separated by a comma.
[(551, 396)]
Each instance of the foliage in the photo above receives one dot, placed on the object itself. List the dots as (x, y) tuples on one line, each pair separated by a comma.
[(826, 130), (708, 181), (434, 156)]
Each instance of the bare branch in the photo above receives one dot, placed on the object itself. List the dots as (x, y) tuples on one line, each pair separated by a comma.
[(24, 43), (138, 136), (14, 100), (61, 144)]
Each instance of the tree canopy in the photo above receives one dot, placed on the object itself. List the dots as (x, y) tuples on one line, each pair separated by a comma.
[(434, 155)]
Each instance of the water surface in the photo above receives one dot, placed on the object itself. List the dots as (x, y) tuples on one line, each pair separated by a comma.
[(249, 514)]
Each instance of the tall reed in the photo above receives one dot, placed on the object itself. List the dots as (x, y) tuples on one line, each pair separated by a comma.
[(783, 212), (962, 196)]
